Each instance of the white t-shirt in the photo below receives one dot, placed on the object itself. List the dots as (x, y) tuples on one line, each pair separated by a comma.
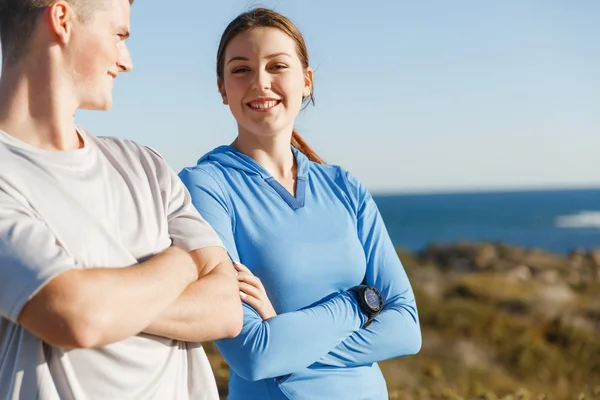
[(111, 203)]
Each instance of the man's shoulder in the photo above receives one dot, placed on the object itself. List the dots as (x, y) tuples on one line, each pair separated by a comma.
[(126, 145), (125, 149), (129, 156)]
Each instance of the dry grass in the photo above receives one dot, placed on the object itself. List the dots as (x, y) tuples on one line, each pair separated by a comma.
[(489, 336)]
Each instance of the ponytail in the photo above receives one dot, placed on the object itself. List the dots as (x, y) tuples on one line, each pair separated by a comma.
[(301, 145)]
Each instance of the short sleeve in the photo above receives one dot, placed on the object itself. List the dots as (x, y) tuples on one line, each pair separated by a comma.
[(30, 256), (187, 228)]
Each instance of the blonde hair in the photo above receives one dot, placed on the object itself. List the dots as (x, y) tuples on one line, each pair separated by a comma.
[(18, 19)]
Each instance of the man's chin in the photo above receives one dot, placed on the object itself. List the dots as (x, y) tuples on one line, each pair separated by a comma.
[(104, 106)]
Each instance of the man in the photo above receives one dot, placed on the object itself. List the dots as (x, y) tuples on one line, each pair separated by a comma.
[(108, 275)]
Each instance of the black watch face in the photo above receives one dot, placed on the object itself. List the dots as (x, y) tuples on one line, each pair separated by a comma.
[(372, 298)]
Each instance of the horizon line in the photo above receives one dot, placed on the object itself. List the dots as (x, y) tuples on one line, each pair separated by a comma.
[(483, 190)]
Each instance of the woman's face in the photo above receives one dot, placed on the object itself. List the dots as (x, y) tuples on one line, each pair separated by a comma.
[(264, 81)]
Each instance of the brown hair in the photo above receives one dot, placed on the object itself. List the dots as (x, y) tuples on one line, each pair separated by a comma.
[(265, 18), (18, 19)]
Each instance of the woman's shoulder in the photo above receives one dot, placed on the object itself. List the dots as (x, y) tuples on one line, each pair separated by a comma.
[(339, 178), (207, 166), (337, 174), (204, 174)]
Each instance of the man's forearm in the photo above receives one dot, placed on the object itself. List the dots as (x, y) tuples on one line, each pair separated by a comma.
[(98, 306), (208, 309)]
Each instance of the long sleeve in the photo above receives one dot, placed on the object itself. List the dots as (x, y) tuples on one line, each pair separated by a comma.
[(288, 342), (395, 332)]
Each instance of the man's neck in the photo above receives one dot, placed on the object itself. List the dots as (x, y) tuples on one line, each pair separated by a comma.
[(36, 109)]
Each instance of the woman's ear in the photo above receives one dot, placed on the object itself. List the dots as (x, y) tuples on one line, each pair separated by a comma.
[(221, 87), (308, 83)]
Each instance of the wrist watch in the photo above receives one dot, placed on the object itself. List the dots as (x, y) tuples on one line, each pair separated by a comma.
[(369, 300)]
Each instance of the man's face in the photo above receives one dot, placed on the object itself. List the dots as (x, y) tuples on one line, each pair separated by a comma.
[(97, 53)]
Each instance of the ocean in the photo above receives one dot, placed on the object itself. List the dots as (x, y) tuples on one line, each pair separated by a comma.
[(559, 221)]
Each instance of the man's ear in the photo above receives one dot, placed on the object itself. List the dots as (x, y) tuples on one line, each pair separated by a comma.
[(60, 17)]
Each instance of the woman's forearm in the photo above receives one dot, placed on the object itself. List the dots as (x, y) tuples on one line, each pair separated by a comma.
[(290, 341)]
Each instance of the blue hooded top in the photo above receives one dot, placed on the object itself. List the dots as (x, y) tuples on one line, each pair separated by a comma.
[(308, 250)]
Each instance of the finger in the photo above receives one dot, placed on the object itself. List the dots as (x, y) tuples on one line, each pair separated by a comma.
[(250, 290), (250, 279), (265, 311), (252, 301), (241, 267)]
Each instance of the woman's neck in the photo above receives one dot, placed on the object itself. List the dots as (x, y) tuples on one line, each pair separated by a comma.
[(273, 153)]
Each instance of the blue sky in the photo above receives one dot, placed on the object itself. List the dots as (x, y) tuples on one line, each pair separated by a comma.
[(411, 96)]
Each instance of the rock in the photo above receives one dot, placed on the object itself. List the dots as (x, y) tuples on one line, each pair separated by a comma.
[(574, 277), (467, 257), (595, 257), (541, 260), (449, 394), (593, 312), (549, 276), (520, 273), (433, 289), (515, 306), (485, 255), (580, 322), (523, 394), (434, 371), (471, 355), (577, 259), (486, 396), (503, 265), (460, 257), (552, 300)]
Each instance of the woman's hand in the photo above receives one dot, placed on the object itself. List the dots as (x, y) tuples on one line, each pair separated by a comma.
[(253, 292)]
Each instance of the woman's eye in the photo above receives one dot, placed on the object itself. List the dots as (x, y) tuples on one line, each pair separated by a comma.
[(239, 70)]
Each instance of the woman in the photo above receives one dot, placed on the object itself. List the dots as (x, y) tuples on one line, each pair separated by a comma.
[(315, 256)]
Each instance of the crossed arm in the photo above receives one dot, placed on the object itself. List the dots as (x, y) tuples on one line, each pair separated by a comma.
[(328, 333), (209, 308), (92, 307), (173, 294), (395, 332)]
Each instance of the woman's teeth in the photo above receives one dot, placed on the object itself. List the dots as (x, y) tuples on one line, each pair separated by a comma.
[(263, 104)]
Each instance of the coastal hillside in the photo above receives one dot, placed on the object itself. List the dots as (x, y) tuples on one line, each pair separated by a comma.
[(498, 322)]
